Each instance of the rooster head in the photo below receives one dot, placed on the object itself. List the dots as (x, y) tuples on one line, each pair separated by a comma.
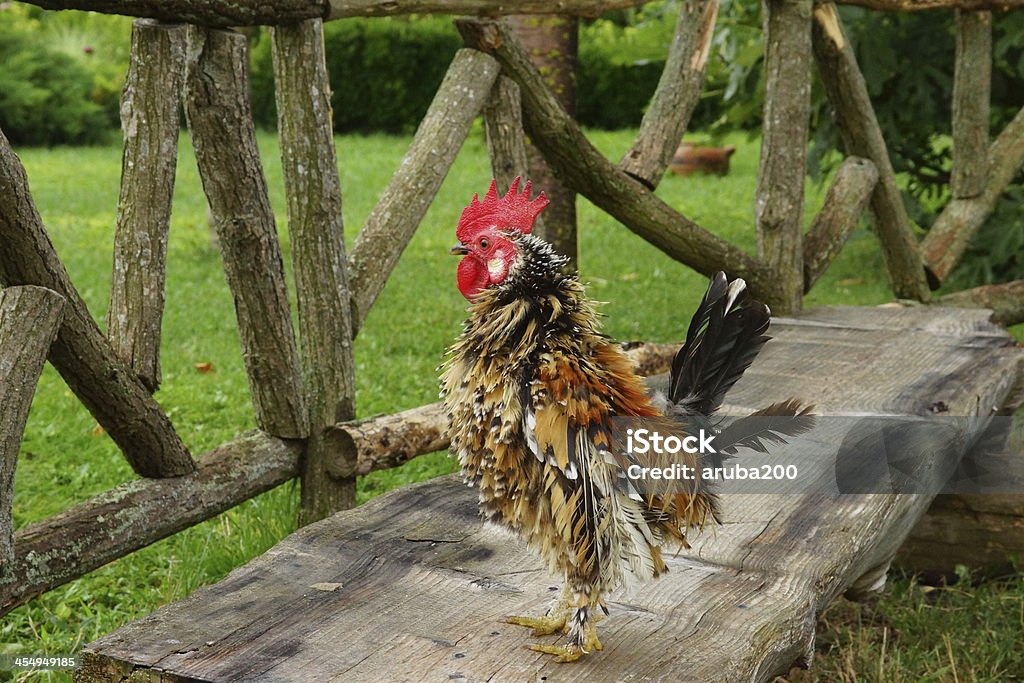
[(487, 234)]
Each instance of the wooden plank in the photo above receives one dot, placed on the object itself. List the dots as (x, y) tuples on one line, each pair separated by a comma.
[(224, 138), (412, 586), (108, 387), (313, 188), (29, 320)]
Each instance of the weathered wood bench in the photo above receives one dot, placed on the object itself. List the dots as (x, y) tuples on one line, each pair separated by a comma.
[(413, 587)]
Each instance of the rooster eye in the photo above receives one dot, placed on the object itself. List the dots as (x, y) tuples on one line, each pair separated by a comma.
[(484, 243)]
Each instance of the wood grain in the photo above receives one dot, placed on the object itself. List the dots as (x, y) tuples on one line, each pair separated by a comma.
[(424, 585)]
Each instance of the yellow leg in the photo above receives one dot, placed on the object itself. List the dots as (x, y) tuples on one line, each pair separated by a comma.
[(542, 626)]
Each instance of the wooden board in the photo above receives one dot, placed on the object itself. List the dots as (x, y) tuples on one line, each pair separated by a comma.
[(413, 587)]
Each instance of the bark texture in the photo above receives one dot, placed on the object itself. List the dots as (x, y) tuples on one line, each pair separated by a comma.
[(952, 231), (1005, 300), (677, 95), (408, 196), (972, 88), (552, 43), (150, 107), (862, 136), (318, 255), (780, 178), (917, 5), (84, 357), (506, 141), (845, 201), (220, 118), (29, 320), (382, 8), (61, 548), (592, 175)]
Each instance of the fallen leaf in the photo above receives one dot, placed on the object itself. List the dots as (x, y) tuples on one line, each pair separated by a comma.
[(205, 368), (98, 430), (852, 281)]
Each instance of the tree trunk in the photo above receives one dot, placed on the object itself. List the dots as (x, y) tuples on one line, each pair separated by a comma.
[(552, 43), (150, 117), (224, 138), (506, 141), (972, 87), (318, 255)]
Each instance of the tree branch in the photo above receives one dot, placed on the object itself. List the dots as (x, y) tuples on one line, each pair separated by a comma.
[(677, 94), (150, 120), (1005, 300), (972, 87), (845, 201), (586, 170), (85, 359), (408, 196), (862, 136)]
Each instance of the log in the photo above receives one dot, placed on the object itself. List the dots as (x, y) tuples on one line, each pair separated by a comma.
[(862, 136), (220, 118), (506, 141), (780, 179), (387, 441), (226, 14), (588, 172), (1006, 301), (408, 196), (84, 357), (677, 95), (972, 87), (949, 236), (552, 43), (29, 320), (313, 189), (149, 123), (844, 203), (131, 516), (918, 5)]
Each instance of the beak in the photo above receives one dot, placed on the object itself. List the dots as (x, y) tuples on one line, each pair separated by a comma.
[(459, 250)]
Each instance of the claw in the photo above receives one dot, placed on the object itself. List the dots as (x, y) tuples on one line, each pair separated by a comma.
[(563, 653), (542, 626)]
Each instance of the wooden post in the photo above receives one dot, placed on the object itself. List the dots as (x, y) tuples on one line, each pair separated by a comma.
[(310, 166), (552, 43), (405, 201), (780, 178), (29, 320), (862, 136), (972, 86), (952, 231), (506, 141), (845, 201), (220, 118), (603, 183), (102, 381), (149, 121), (677, 95)]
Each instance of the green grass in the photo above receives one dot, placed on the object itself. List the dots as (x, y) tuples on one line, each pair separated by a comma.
[(66, 461)]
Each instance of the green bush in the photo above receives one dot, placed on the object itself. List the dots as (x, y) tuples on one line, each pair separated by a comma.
[(45, 96), (383, 72)]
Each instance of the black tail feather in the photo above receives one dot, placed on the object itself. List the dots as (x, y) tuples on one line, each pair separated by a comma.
[(725, 335), (768, 426)]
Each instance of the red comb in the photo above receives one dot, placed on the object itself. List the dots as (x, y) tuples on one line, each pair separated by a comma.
[(514, 211)]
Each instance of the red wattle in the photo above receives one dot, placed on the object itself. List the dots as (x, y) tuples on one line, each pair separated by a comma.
[(472, 277)]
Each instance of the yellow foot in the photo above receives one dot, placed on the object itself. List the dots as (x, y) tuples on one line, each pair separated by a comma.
[(542, 626), (563, 653), (591, 642)]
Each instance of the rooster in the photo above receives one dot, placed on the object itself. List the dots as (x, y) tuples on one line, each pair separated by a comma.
[(531, 387)]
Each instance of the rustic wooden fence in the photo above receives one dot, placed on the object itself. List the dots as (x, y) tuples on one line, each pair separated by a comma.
[(303, 392)]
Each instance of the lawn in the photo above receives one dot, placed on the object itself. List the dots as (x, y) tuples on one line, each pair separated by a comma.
[(911, 633)]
